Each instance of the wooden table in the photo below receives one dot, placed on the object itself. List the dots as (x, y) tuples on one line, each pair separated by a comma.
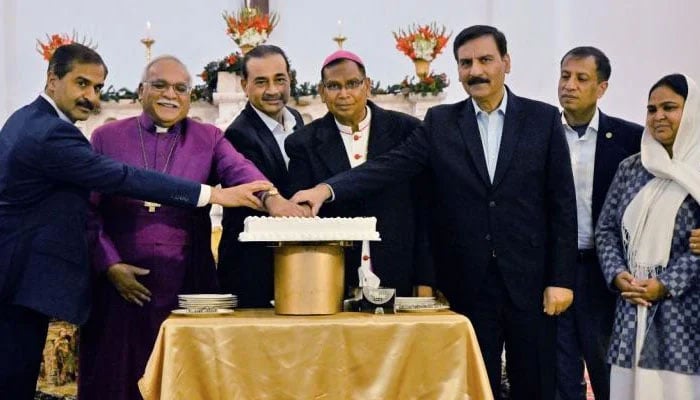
[(255, 354)]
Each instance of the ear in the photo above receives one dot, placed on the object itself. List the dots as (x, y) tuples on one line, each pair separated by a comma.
[(602, 87), (506, 60), (368, 87), (322, 91), (244, 87), (51, 81), (140, 91)]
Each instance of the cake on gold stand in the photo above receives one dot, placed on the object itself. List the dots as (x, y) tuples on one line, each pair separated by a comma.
[(309, 259)]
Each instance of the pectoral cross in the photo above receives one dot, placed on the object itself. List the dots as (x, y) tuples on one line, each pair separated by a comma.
[(151, 206)]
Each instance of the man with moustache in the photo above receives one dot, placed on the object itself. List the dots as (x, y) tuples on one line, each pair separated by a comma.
[(597, 142), (353, 131), (259, 131), (503, 214), (146, 254), (47, 170)]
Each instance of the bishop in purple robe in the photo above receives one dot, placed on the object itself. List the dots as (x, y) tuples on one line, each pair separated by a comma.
[(145, 254)]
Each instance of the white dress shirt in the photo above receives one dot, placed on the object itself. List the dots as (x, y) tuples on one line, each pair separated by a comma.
[(356, 142), (60, 113), (582, 150), (279, 131), (491, 131)]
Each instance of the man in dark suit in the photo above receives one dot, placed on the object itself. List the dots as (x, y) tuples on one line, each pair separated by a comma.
[(47, 169), (355, 130), (503, 214), (258, 132), (597, 143)]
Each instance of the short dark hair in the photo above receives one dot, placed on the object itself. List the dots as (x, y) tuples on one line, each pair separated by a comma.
[(65, 57), (261, 51), (675, 82), (477, 31), (602, 63), (363, 71)]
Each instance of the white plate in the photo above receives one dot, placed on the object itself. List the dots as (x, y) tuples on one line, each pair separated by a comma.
[(217, 313), (212, 296), (437, 307), (208, 302), (412, 299), (416, 301)]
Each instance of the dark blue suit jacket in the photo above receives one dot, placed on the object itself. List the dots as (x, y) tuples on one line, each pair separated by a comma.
[(402, 258), (525, 219), (47, 170), (617, 139), (246, 268)]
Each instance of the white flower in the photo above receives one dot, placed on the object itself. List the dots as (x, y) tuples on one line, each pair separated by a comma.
[(424, 48), (250, 37)]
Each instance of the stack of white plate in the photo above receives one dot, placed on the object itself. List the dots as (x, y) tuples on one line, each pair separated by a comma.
[(207, 303), (419, 304)]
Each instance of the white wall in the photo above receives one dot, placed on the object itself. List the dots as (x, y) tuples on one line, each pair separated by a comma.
[(643, 38)]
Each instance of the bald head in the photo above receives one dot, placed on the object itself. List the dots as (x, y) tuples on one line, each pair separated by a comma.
[(145, 76)]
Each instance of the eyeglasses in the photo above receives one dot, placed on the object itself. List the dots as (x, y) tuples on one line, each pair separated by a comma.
[(349, 85), (160, 86)]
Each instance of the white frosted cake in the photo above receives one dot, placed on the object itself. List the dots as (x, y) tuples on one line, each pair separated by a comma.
[(294, 229)]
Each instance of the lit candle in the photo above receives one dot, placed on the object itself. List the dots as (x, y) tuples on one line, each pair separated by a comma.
[(340, 28), (148, 29)]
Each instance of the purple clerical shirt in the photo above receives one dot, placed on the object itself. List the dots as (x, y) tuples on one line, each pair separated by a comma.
[(125, 227)]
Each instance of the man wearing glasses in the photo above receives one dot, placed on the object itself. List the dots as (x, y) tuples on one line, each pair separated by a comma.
[(354, 130), (147, 253)]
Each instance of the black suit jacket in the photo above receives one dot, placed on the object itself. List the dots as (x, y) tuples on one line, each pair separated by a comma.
[(246, 269), (402, 258), (47, 169), (617, 139), (525, 219)]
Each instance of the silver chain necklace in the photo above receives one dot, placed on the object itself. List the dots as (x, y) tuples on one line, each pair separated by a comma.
[(143, 150), (152, 206)]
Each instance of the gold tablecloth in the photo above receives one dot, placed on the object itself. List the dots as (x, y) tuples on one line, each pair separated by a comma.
[(255, 354)]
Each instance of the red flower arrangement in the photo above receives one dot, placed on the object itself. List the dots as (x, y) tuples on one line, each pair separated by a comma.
[(57, 40), (249, 27), (422, 42)]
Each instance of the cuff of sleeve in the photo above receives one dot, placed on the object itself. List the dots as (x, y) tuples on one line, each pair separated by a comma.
[(108, 258), (611, 283), (670, 290), (204, 196), (330, 188)]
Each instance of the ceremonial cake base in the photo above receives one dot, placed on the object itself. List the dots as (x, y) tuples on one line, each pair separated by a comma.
[(309, 279), (309, 262)]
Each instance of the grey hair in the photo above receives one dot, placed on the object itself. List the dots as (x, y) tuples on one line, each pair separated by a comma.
[(158, 59)]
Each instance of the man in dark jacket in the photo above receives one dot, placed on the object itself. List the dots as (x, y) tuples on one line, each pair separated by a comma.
[(355, 130), (258, 132)]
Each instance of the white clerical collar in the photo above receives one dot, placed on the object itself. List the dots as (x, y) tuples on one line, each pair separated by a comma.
[(501, 107), (60, 113), (271, 123), (593, 124), (362, 126), (161, 129)]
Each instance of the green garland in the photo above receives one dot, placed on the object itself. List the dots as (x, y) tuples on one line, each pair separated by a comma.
[(112, 94), (432, 84)]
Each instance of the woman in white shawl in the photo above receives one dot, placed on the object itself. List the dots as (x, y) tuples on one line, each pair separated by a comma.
[(642, 241)]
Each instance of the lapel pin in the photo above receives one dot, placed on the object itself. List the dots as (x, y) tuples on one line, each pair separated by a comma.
[(608, 135)]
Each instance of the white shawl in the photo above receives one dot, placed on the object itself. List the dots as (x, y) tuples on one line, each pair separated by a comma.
[(649, 219)]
